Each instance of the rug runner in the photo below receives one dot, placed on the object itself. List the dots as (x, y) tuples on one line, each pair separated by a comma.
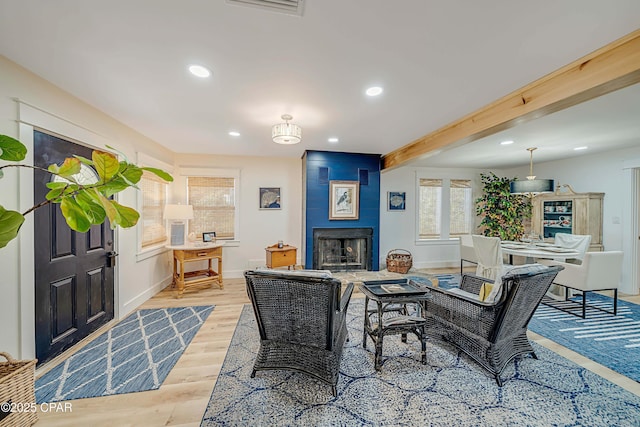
[(135, 355)]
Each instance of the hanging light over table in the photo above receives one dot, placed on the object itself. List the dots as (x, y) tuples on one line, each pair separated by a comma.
[(286, 133), (531, 185)]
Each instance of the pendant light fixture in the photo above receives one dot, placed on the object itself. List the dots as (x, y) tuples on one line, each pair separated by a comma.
[(286, 133), (531, 185)]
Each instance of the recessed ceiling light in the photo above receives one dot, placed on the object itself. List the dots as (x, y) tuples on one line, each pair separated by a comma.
[(374, 91), (506, 142), (333, 140), (199, 71), (580, 148), (234, 133)]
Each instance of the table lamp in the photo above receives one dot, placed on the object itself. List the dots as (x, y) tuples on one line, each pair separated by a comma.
[(178, 214)]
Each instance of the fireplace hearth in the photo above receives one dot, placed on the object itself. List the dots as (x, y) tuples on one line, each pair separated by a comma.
[(342, 249)]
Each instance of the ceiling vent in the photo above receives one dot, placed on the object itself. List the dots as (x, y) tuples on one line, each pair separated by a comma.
[(290, 7)]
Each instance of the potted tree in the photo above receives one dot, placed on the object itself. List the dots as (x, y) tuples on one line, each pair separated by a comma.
[(82, 205), (502, 213)]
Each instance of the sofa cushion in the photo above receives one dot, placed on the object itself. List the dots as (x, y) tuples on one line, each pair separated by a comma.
[(321, 274)]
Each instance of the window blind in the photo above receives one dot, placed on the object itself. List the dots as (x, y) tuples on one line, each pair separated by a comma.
[(154, 197), (430, 208), (460, 207), (213, 201)]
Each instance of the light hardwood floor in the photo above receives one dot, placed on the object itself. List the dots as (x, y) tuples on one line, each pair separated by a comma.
[(183, 397)]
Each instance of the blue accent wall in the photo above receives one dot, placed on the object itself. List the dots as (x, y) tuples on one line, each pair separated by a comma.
[(342, 167)]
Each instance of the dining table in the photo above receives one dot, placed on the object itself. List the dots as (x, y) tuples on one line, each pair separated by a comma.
[(532, 251)]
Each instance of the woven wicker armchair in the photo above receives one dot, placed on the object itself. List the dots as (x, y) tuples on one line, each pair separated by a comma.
[(301, 319), (494, 333)]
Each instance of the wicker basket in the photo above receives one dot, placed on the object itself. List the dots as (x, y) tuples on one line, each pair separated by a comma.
[(398, 261), (17, 379)]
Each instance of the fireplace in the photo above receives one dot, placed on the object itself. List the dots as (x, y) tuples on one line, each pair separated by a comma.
[(342, 249)]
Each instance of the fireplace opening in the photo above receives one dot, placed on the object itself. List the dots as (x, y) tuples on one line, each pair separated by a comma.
[(342, 249)]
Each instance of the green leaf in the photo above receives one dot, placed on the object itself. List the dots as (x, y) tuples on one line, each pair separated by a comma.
[(55, 184), (132, 174), (84, 160), (74, 215), (69, 167), (10, 223), (114, 186), (11, 149), (127, 217), (106, 164), (55, 194), (160, 173), (109, 208), (92, 208)]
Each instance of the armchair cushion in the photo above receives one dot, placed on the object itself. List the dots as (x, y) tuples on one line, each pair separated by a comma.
[(320, 274), (526, 269), (468, 295)]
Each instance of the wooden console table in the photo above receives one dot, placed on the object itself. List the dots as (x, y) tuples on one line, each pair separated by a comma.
[(285, 256), (196, 252)]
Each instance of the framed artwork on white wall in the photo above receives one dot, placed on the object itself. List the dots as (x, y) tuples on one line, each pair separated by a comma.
[(396, 200)]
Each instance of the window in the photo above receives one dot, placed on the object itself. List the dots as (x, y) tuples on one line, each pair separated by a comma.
[(460, 207), (154, 196), (214, 205), (430, 208), (440, 198)]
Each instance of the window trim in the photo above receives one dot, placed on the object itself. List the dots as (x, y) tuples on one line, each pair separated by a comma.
[(145, 160), (186, 172)]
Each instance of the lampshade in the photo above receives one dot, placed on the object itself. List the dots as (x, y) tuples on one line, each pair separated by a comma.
[(286, 133), (531, 185), (180, 212)]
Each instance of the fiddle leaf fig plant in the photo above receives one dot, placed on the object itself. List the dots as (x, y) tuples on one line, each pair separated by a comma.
[(502, 213), (81, 204)]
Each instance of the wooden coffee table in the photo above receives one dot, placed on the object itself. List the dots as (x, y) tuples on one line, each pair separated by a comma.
[(398, 310)]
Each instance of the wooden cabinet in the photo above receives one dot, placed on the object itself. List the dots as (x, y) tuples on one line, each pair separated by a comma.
[(281, 257), (569, 212)]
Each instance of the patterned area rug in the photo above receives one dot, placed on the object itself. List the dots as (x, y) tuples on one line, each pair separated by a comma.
[(451, 390), (137, 354), (612, 341)]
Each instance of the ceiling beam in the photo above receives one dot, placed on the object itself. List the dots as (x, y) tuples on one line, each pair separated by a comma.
[(609, 68)]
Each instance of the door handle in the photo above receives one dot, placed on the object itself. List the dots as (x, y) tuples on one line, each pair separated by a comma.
[(111, 259)]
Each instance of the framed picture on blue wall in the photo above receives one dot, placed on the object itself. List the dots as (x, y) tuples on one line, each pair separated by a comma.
[(396, 200), (344, 199)]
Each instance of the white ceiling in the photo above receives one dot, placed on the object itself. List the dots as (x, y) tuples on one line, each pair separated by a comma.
[(437, 61)]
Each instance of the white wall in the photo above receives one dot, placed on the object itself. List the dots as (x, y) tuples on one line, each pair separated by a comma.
[(58, 111), (398, 229), (257, 228)]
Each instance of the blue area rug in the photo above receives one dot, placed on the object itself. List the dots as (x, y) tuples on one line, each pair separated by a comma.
[(137, 354), (612, 341), (451, 390)]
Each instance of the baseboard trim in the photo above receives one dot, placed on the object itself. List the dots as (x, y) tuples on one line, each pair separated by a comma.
[(143, 296)]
